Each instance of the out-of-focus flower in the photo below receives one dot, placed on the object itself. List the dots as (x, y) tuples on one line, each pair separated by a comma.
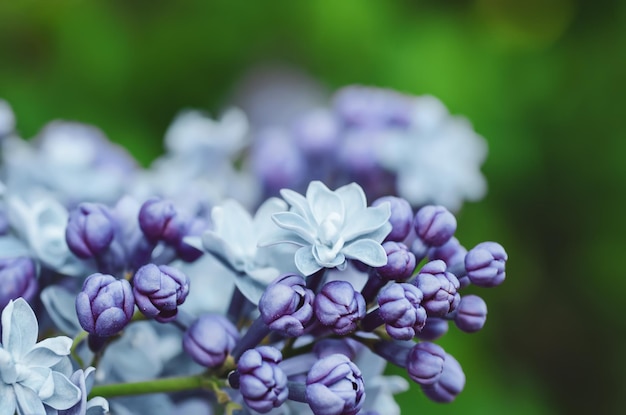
[(234, 239), (449, 384), (210, 339), (437, 158), (331, 226), (17, 279), (7, 119), (28, 380), (105, 305)]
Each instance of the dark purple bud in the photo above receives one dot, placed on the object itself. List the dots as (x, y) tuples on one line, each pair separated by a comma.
[(160, 221), (401, 311), (439, 288), (401, 217), (334, 386), (18, 278), (159, 290), (434, 329), (434, 225), (210, 339), (425, 363), (262, 383), (400, 262), (90, 230), (485, 264), (287, 305), (339, 307), (450, 383), (471, 314), (105, 305)]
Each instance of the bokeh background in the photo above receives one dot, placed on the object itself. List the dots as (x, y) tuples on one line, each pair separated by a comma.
[(544, 81)]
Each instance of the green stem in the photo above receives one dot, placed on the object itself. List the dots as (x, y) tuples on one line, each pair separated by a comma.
[(79, 338), (172, 384)]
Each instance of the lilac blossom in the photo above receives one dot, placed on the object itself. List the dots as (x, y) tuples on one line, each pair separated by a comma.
[(439, 288), (159, 290), (18, 278), (485, 264), (287, 305), (262, 382), (339, 307), (332, 226), (210, 339)]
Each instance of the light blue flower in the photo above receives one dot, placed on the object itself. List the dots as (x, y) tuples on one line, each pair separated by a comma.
[(234, 241), (28, 379), (97, 405), (331, 226)]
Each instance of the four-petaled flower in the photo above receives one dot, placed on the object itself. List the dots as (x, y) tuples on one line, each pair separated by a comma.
[(332, 226)]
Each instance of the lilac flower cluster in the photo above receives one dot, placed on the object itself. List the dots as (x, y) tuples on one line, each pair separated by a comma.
[(270, 269)]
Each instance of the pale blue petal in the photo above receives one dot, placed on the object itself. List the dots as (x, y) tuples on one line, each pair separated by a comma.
[(90, 376), (323, 201), (379, 234), (11, 247), (263, 275), (217, 246), (262, 221), (48, 352), (60, 306), (7, 399), (298, 203), (280, 236), (367, 251), (194, 241), (295, 223), (366, 221), (19, 328), (97, 406), (305, 261), (38, 379), (66, 394), (251, 289), (233, 223), (28, 403), (353, 198), (322, 251)]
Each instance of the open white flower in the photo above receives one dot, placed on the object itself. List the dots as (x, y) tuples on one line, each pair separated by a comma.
[(28, 379), (331, 226)]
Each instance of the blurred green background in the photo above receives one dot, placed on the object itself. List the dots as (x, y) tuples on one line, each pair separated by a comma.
[(542, 80)]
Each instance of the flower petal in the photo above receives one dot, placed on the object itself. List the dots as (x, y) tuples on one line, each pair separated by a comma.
[(366, 221), (323, 202), (66, 394), (19, 328), (7, 399), (60, 305), (295, 223), (298, 203), (353, 198), (305, 261), (367, 251), (97, 406), (49, 352), (251, 289), (27, 401)]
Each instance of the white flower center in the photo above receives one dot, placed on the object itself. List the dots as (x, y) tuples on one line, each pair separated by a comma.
[(329, 237)]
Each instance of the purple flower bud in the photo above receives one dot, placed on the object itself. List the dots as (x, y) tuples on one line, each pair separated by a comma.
[(471, 313), (262, 383), (159, 290), (90, 230), (334, 386), (105, 305), (439, 288), (401, 311), (450, 383), (339, 307), (17, 279), (485, 264), (434, 329), (287, 305), (434, 225), (425, 363), (210, 339), (362, 106), (160, 221), (452, 252), (400, 262), (401, 217)]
